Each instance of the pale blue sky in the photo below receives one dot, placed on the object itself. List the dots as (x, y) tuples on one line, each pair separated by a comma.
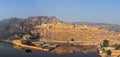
[(101, 11)]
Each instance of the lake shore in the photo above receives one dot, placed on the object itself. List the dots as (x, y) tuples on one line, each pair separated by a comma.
[(61, 49), (11, 52)]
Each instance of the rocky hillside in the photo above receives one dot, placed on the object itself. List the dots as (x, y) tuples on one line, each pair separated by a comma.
[(14, 26), (8, 27), (52, 29)]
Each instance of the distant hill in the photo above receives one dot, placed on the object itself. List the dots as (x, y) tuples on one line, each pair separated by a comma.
[(110, 27)]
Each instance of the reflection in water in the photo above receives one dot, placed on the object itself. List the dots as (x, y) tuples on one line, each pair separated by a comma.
[(66, 49), (6, 50), (20, 48), (17, 47), (63, 50), (28, 50), (72, 49)]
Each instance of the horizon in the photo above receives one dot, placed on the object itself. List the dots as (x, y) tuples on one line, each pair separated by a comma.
[(58, 19), (103, 11)]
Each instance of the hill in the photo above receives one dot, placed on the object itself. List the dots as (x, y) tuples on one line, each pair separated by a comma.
[(15, 26), (50, 28), (110, 27)]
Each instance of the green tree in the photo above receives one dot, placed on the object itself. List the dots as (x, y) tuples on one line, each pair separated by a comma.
[(105, 43), (109, 52)]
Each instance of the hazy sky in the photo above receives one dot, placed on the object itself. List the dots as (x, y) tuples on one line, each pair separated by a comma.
[(105, 11)]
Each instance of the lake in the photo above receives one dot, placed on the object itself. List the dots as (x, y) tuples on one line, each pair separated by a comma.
[(6, 50)]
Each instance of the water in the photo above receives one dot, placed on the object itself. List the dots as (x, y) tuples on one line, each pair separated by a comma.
[(6, 50)]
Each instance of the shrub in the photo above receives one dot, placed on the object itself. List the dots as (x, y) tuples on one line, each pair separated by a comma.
[(105, 43), (109, 52), (117, 47)]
